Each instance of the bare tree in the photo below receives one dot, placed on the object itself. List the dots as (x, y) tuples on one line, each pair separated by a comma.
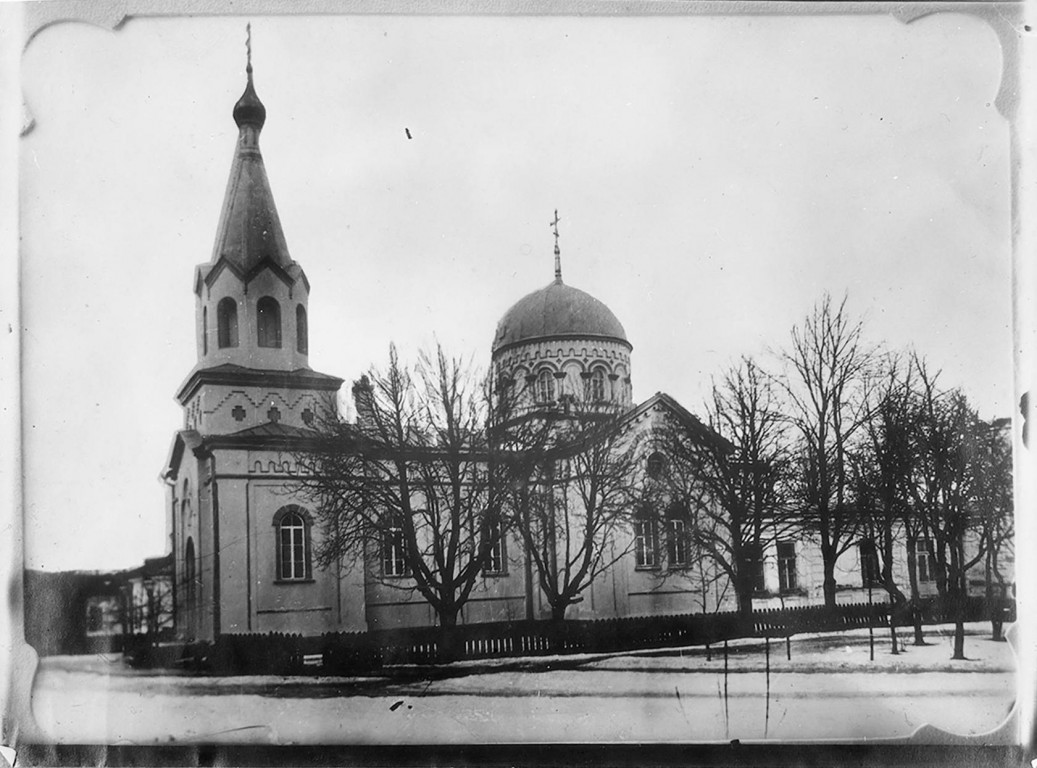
[(572, 493), (408, 490), (944, 484), (733, 477), (830, 371), (995, 509), (882, 473)]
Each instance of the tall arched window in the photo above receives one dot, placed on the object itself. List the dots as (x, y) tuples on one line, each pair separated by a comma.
[(227, 323), (190, 574), (545, 390), (268, 313), (302, 342), (205, 330), (292, 530)]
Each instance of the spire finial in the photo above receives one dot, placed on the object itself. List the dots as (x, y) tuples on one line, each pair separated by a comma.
[(248, 50), (558, 251)]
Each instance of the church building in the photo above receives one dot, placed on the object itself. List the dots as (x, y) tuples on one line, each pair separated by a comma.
[(242, 543)]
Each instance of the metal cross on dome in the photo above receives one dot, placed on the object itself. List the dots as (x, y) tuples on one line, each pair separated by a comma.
[(558, 252)]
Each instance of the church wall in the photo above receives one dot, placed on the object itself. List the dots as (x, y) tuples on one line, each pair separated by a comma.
[(393, 602), (225, 409), (252, 489)]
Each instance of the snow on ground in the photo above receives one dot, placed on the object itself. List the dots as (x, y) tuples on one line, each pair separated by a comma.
[(645, 696)]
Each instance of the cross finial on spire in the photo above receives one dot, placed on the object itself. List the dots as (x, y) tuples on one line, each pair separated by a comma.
[(248, 49), (558, 251)]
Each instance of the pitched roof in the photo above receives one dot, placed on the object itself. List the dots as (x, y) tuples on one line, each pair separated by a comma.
[(686, 418)]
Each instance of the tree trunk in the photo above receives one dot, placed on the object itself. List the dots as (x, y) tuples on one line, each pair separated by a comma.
[(829, 582), (959, 638), (449, 645), (915, 608), (558, 612)]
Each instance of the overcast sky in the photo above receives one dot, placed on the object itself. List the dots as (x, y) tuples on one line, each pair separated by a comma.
[(714, 177)]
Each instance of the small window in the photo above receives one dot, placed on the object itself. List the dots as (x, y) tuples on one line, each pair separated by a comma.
[(656, 465), (646, 541), (292, 530), (394, 550), (921, 551), (787, 566), (268, 313), (94, 619), (205, 330), (545, 387), (871, 574), (495, 558), (227, 323), (302, 342)]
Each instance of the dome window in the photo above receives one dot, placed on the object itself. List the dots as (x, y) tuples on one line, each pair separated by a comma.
[(302, 341), (227, 323), (545, 387), (596, 386), (268, 313)]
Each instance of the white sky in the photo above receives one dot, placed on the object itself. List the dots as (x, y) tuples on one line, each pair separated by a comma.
[(714, 177)]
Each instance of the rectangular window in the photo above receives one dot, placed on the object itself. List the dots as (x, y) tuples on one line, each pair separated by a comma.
[(646, 543), (676, 543), (871, 574), (495, 558), (786, 566), (394, 562), (925, 569)]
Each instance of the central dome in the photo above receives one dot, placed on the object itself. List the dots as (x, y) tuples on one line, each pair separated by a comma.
[(557, 311)]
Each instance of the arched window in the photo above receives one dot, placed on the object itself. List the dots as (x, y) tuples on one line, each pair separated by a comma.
[(656, 465), (190, 574), (268, 313), (302, 341), (292, 530), (545, 387), (205, 330), (227, 323), (596, 386)]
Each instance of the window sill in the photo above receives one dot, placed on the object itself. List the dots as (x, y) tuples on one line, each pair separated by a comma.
[(494, 574), (294, 581), (647, 567)]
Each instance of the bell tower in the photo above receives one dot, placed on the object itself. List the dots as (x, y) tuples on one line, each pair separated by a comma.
[(251, 306)]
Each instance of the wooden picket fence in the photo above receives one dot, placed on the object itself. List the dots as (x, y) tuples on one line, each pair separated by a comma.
[(351, 653)]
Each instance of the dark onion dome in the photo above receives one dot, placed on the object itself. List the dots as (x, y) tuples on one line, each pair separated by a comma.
[(558, 311), (249, 110)]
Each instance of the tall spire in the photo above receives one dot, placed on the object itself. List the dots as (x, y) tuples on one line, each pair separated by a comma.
[(250, 229), (558, 251)]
